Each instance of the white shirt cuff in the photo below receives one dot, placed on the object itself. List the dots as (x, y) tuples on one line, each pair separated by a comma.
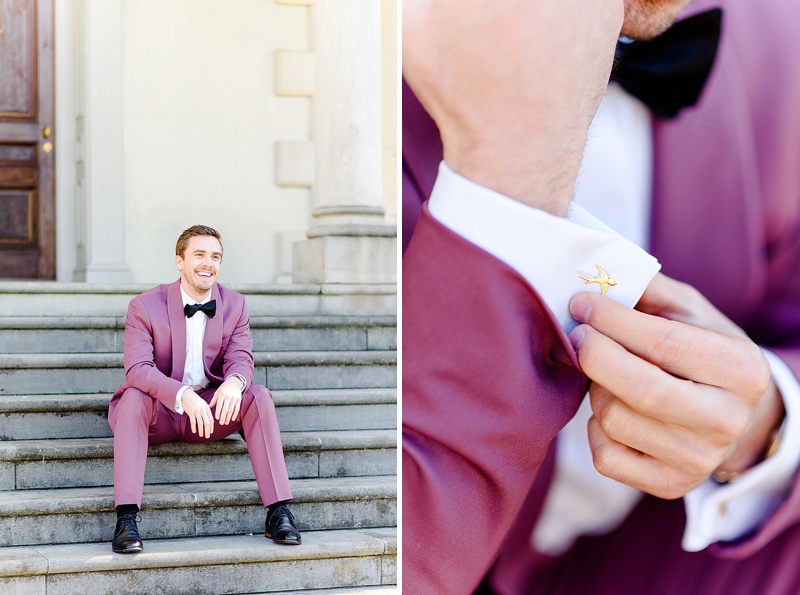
[(551, 253), (178, 402), (726, 512)]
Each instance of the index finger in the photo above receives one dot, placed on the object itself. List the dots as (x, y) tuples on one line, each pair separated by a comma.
[(224, 412), (683, 350)]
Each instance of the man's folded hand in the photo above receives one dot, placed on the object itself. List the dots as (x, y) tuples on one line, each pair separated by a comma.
[(678, 390)]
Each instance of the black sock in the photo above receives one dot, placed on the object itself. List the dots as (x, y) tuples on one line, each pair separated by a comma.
[(126, 509), (275, 505)]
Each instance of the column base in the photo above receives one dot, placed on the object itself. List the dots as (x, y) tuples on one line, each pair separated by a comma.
[(103, 274), (346, 259)]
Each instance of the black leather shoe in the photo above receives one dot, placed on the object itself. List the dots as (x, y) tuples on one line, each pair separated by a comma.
[(280, 527), (126, 535)]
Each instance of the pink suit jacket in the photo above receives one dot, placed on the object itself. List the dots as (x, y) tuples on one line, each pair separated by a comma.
[(155, 342), (489, 378)]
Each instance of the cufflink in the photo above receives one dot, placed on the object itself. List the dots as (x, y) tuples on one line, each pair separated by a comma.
[(603, 279)]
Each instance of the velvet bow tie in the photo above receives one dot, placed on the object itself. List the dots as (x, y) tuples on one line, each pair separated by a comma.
[(667, 73), (210, 308)]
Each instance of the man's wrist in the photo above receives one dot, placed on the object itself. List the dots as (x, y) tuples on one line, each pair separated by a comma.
[(240, 378), (179, 399)]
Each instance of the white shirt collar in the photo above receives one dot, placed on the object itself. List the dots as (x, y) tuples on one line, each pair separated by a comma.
[(187, 299)]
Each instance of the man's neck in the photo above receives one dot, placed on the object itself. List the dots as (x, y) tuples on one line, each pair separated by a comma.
[(198, 297)]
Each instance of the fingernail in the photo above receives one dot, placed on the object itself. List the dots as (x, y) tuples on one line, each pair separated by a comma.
[(576, 336), (579, 307)]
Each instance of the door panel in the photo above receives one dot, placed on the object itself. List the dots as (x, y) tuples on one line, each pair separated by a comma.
[(27, 140)]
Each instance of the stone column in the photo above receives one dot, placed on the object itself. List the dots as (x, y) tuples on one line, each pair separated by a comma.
[(100, 182), (348, 241)]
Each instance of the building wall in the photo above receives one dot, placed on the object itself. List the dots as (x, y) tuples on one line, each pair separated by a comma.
[(202, 113)]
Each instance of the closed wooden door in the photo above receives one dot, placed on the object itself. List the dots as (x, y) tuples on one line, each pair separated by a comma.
[(27, 140)]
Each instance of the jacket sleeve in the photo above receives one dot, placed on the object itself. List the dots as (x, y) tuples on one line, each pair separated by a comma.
[(777, 327), (489, 379), (238, 356), (139, 357)]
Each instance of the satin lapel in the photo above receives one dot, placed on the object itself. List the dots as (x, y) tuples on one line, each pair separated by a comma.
[(212, 340), (422, 146), (177, 323), (707, 227)]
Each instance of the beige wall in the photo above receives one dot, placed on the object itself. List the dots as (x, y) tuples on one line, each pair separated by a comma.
[(200, 120), (389, 90), (200, 123)]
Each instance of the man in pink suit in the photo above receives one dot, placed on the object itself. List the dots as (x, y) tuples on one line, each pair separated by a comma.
[(490, 374), (189, 377)]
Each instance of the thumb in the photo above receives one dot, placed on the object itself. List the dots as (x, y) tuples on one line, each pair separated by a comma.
[(679, 301), (213, 399), (662, 298)]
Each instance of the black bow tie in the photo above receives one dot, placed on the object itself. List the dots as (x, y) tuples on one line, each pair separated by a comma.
[(667, 73), (210, 308)]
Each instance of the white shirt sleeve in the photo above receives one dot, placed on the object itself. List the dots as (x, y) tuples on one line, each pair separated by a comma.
[(551, 253), (724, 512), (178, 400)]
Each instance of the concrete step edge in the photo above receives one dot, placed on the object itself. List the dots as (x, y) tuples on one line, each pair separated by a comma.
[(285, 358), (283, 398), (58, 287), (132, 289), (385, 590), (256, 322), (90, 448), (59, 501), (194, 551)]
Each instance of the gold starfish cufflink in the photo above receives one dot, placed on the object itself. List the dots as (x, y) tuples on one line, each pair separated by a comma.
[(603, 279)]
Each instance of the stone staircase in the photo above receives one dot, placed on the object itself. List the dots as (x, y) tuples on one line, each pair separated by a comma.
[(329, 359)]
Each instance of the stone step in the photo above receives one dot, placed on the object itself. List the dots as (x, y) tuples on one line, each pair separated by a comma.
[(78, 515), (39, 417), (213, 565), (40, 464), (47, 298), (389, 590), (39, 374), (104, 334)]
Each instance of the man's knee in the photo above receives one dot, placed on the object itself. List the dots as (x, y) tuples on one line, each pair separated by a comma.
[(256, 393), (260, 391), (133, 404)]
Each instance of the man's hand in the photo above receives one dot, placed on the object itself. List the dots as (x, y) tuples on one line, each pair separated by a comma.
[(513, 86), (198, 412), (678, 390), (228, 400)]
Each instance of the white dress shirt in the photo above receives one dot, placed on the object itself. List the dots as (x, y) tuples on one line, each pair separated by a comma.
[(194, 373), (551, 254)]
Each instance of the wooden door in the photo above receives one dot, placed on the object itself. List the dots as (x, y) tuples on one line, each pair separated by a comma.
[(27, 140)]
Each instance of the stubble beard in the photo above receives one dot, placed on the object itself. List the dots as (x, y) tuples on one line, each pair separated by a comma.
[(191, 282), (645, 19)]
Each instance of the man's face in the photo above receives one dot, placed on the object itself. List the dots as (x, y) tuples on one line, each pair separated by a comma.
[(199, 265), (645, 19)]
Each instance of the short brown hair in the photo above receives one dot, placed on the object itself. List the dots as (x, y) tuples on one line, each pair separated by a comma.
[(195, 230)]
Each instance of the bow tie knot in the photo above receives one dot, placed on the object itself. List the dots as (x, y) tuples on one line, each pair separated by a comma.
[(668, 72), (210, 309)]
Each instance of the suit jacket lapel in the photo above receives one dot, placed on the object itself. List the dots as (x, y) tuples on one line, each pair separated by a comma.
[(422, 145), (177, 323), (706, 194), (212, 340)]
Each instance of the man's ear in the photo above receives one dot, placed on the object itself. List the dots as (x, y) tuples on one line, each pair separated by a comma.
[(179, 262)]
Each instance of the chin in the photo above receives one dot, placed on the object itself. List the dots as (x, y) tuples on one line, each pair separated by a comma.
[(645, 19)]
